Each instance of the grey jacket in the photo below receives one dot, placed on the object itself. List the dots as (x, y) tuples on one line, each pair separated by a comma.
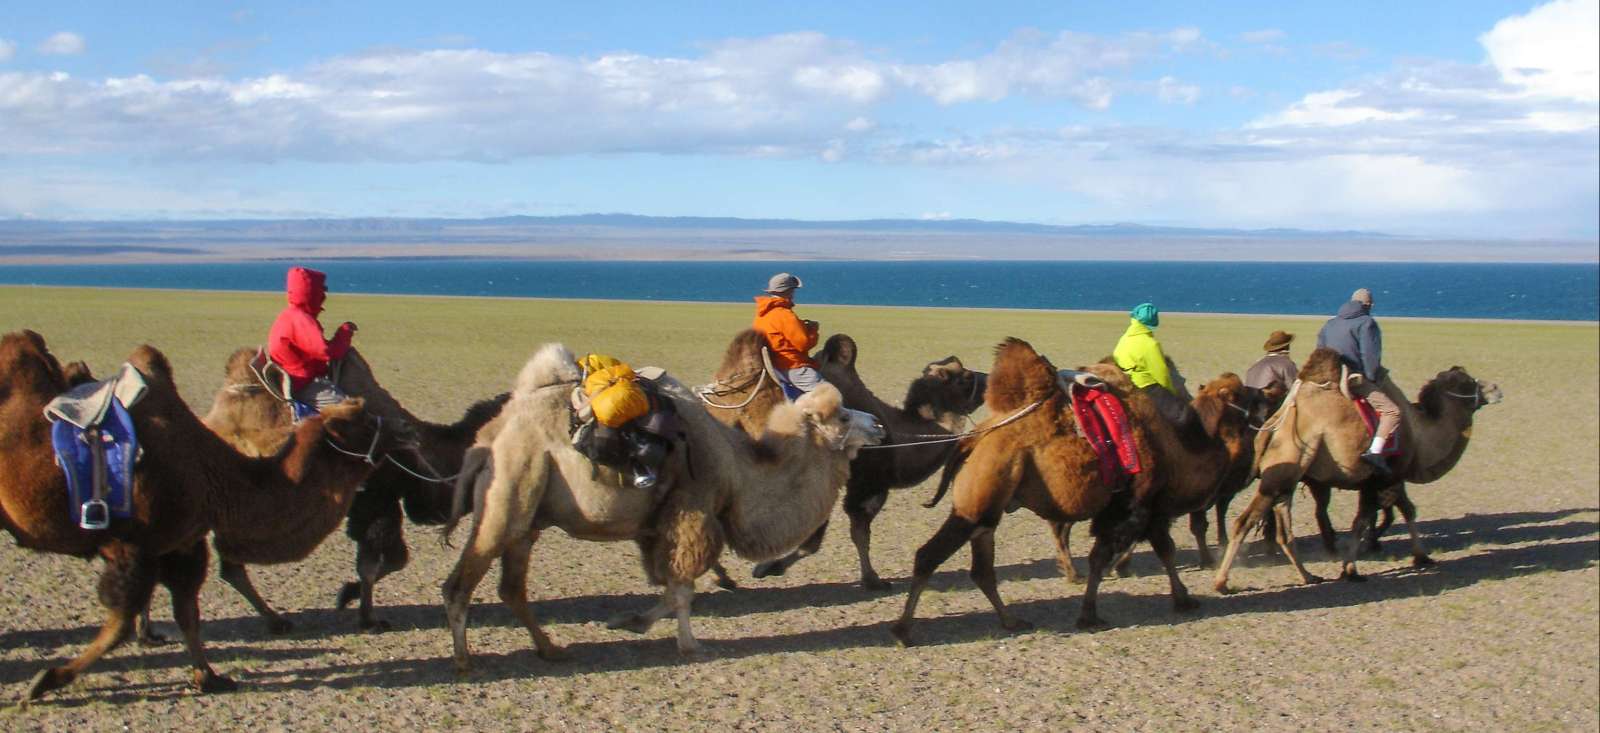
[(1274, 367), (1356, 336)]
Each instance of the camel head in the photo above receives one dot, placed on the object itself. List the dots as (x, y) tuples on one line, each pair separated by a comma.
[(1226, 394), (354, 431), (947, 387), (822, 414), (1456, 386)]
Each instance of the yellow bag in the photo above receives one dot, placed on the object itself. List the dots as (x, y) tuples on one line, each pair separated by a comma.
[(613, 395)]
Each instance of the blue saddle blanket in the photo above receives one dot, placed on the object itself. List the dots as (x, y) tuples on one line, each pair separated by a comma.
[(76, 458)]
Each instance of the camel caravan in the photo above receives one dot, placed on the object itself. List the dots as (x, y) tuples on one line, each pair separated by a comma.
[(302, 437)]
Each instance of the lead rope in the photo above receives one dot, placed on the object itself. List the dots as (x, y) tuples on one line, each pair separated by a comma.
[(371, 449), (1013, 417), (704, 393)]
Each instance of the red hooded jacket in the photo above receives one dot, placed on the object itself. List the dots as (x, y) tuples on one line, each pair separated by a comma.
[(295, 341)]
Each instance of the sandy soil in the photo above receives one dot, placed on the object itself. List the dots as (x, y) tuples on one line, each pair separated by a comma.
[(1503, 633)]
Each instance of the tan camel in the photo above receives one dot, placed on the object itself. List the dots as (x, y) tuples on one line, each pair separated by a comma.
[(248, 416), (1038, 460), (761, 498), (187, 483), (1318, 436)]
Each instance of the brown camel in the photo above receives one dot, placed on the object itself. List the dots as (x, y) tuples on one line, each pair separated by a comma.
[(762, 498), (1029, 453), (1318, 436), (1265, 401), (936, 404), (187, 483), (257, 423)]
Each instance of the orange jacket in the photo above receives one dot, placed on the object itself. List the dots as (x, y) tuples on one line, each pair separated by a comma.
[(789, 339)]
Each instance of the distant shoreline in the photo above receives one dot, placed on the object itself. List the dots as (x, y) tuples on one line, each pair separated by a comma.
[(1063, 311)]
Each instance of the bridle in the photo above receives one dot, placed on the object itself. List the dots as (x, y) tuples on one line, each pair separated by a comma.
[(1476, 397), (372, 450)]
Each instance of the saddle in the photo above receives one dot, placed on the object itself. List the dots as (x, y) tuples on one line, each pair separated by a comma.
[(790, 392), (1103, 422), (97, 447), (1370, 417), (621, 420), (278, 384)]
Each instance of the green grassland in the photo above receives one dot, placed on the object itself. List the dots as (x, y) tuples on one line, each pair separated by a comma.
[(1502, 634)]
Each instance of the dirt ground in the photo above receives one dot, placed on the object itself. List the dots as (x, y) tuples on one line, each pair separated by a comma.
[(1503, 633)]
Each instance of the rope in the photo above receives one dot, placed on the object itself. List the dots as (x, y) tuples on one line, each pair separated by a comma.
[(1013, 417), (371, 449), (704, 393), (1476, 397), (436, 479)]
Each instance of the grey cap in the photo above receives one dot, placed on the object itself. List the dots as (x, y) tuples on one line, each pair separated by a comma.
[(782, 283), (1362, 296)]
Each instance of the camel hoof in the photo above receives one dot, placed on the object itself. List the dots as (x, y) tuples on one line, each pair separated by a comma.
[(902, 634), (876, 583), (152, 639), (1092, 623), (349, 593), (691, 648), (210, 682), (375, 626), (628, 622), (1422, 561), (1016, 625), (554, 653), (1185, 604), (278, 626), (1315, 579), (1352, 576), (54, 678), (727, 583), (769, 569)]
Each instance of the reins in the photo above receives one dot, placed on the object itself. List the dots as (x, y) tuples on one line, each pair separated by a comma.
[(1013, 417), (371, 449)]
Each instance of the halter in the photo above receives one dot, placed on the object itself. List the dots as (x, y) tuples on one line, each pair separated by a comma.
[(1246, 414), (934, 440), (1476, 397), (371, 449)]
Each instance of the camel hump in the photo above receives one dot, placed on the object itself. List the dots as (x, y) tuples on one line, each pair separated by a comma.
[(151, 363), (1322, 365), (840, 351), (238, 369), (743, 350), (1020, 376)]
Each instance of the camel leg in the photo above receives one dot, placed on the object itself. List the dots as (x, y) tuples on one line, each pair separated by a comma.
[(954, 533), (1100, 556), (514, 593), (1373, 542), (1323, 497), (1123, 567), (774, 568), (1285, 535), (982, 575), (504, 515), (145, 631), (1199, 522), (237, 576), (183, 573), (1365, 511), (1061, 532), (1419, 554), (861, 535), (641, 622), (1160, 537), (125, 586), (724, 581), (682, 599), (1242, 525), (380, 550)]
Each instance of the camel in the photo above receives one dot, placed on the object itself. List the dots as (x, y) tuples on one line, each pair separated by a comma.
[(935, 405), (187, 483), (1029, 453), (1318, 436), (1266, 401), (759, 497), (245, 414)]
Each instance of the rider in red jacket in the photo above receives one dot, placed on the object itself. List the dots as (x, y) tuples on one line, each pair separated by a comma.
[(296, 344)]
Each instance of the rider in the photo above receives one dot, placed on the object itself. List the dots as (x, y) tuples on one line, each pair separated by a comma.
[(1275, 366), (1356, 336), (295, 342), (789, 338), (1139, 354)]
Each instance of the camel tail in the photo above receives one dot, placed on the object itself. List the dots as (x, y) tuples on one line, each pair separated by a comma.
[(476, 461), (952, 466)]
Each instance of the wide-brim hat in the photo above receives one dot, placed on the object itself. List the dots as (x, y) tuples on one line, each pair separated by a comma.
[(1278, 341), (782, 282)]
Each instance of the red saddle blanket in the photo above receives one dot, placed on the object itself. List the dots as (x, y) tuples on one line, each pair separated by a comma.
[(1370, 417), (1104, 424)]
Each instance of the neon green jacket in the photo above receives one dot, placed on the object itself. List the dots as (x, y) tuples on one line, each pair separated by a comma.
[(1139, 354)]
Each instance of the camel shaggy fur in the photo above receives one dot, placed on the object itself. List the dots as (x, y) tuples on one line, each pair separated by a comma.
[(1318, 436), (759, 497)]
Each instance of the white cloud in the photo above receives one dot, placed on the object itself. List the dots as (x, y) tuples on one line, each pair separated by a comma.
[(936, 216), (1172, 91), (1265, 35), (8, 49), (1330, 108), (64, 43), (1553, 51)]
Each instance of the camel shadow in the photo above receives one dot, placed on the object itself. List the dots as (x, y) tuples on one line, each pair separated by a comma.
[(131, 659)]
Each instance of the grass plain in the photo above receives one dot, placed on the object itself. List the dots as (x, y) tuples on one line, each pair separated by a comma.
[(1504, 632)]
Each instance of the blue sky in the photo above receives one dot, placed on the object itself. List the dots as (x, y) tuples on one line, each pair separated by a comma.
[(1446, 119)]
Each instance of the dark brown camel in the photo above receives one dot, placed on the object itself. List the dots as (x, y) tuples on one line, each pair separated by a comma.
[(935, 405), (187, 483), (1318, 437), (1039, 461), (256, 422), (1265, 401)]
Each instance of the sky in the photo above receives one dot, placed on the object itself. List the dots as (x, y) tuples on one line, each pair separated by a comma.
[(1450, 119)]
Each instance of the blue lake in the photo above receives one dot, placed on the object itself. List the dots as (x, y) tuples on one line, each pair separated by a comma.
[(1519, 291)]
